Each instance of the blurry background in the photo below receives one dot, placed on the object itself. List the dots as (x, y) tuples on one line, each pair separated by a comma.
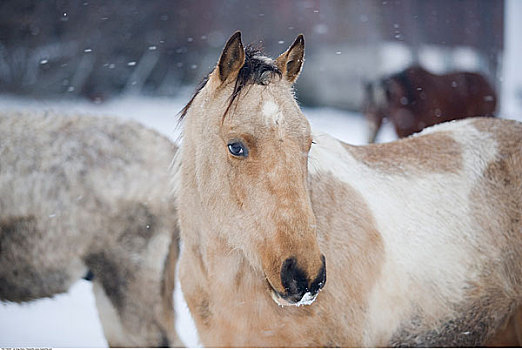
[(142, 59), (101, 49)]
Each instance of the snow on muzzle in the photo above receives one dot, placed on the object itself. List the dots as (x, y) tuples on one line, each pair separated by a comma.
[(298, 288)]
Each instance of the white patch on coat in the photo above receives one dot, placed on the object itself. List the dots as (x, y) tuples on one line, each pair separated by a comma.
[(157, 251), (425, 225), (307, 299), (273, 117), (271, 112)]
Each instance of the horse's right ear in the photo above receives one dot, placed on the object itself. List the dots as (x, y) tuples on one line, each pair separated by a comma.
[(291, 61), (232, 58)]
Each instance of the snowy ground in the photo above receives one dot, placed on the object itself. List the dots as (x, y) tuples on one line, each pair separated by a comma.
[(71, 319)]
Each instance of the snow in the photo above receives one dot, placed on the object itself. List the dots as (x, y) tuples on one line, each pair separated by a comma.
[(67, 320), (160, 113), (306, 299)]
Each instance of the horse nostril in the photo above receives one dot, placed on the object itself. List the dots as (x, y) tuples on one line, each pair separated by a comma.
[(320, 280), (296, 283), (293, 279)]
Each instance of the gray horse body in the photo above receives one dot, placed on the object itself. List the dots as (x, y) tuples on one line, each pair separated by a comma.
[(82, 194)]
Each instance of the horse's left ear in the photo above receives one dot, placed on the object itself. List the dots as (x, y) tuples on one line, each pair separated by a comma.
[(291, 61), (232, 58)]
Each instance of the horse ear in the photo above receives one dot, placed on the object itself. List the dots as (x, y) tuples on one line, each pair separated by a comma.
[(232, 58), (291, 61)]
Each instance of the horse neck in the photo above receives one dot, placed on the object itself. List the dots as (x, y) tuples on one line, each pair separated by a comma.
[(203, 241)]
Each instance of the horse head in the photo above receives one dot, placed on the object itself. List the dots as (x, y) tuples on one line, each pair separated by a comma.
[(244, 153)]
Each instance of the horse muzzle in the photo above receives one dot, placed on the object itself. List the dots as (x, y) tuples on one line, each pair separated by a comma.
[(298, 288)]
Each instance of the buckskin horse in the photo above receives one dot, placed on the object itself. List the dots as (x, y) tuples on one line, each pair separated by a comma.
[(415, 99), (85, 196), (293, 238)]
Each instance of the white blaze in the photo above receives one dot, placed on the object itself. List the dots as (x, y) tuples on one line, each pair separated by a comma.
[(271, 112)]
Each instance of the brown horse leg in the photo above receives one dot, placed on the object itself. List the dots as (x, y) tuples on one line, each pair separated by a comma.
[(374, 125)]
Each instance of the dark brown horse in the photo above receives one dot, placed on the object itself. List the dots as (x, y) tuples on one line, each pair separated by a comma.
[(415, 98)]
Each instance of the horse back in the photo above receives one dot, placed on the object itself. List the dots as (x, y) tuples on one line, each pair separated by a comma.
[(75, 186), (422, 99), (481, 95)]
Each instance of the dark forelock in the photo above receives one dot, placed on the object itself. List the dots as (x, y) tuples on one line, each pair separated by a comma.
[(257, 70)]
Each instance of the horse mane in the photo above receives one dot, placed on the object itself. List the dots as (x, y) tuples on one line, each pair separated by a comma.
[(257, 69), (200, 86)]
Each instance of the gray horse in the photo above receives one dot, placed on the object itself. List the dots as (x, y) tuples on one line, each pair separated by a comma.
[(90, 196)]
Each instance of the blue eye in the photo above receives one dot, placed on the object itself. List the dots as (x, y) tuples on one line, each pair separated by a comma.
[(237, 149)]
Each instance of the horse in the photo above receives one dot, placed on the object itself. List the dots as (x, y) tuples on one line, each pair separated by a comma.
[(293, 238), (414, 99), (84, 196)]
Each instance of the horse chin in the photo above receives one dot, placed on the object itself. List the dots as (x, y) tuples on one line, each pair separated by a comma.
[(307, 299)]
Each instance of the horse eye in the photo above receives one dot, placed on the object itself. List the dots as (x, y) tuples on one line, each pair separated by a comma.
[(237, 149)]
